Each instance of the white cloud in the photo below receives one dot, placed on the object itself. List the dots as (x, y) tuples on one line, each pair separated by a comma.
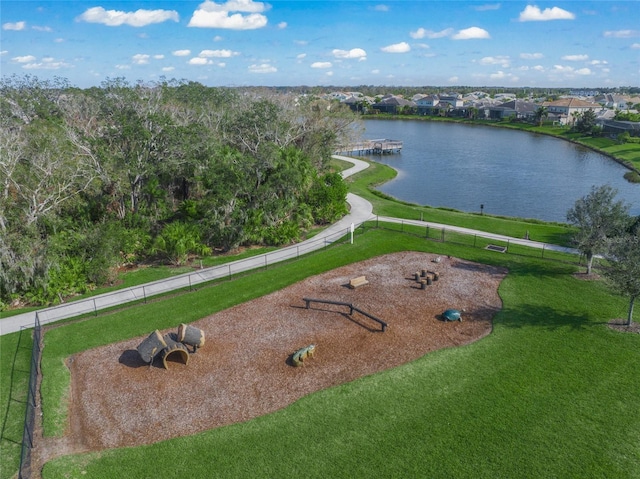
[(502, 60), (563, 69), (301, 56), (471, 33), (218, 54), (453, 79), (282, 25), (262, 68), (583, 71), (402, 47), (14, 26), (4, 52), (575, 58), (140, 59), (168, 69), (532, 13), (375, 72), (199, 61), (115, 18), (24, 59), (422, 33), (357, 53), (181, 53), (531, 56), (158, 57), (321, 65), (622, 33), (381, 8), (598, 62), (217, 15), (42, 29), (636, 46), (123, 67), (59, 40), (217, 38), (497, 75), (47, 64), (539, 68)]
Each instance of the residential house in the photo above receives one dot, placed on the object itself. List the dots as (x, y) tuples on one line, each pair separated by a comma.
[(614, 128), (427, 104), (393, 104), (519, 109), (564, 110)]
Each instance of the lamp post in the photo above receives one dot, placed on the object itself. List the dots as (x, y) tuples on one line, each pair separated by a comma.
[(482, 209)]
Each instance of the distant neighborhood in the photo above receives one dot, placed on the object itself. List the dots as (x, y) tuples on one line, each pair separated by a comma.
[(563, 111)]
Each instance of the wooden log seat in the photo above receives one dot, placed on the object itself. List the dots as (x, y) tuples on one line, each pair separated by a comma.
[(301, 354), (357, 282), (150, 347), (191, 336), (174, 351)]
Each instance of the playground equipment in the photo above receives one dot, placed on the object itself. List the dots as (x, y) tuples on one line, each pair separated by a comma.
[(351, 307), (301, 354), (171, 346), (452, 315), (191, 336)]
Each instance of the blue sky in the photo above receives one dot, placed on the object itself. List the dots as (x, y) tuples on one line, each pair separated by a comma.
[(347, 43)]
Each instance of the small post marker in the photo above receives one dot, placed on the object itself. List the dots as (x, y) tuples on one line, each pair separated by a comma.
[(352, 229)]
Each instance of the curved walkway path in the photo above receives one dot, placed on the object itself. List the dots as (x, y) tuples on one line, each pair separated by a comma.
[(361, 210)]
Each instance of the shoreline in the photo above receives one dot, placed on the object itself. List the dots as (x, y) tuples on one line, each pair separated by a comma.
[(621, 161)]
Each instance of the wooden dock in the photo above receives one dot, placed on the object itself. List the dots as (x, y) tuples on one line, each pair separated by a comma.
[(373, 147)]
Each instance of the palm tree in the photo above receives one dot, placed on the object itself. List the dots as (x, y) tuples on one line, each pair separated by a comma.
[(542, 113)]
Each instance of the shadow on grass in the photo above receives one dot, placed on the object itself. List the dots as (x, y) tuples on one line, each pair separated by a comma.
[(17, 397), (541, 316)]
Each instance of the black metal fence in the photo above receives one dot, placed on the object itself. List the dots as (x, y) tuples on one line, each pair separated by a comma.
[(486, 241), (30, 413)]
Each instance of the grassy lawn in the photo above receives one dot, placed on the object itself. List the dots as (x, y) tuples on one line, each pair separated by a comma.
[(552, 391), (15, 358)]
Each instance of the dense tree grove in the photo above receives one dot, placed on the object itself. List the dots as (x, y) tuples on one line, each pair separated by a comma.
[(93, 179)]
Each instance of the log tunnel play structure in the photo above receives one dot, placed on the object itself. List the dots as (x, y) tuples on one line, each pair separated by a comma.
[(171, 346)]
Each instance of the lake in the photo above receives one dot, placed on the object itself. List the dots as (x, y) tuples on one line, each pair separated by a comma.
[(509, 172)]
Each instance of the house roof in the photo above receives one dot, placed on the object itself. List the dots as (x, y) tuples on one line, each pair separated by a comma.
[(571, 103)]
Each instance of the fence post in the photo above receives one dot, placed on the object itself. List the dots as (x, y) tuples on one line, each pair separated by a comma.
[(95, 308), (543, 246)]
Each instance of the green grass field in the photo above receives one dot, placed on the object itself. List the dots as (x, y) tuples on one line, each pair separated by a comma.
[(552, 392)]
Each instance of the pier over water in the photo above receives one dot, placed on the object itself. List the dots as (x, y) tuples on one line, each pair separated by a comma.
[(372, 147)]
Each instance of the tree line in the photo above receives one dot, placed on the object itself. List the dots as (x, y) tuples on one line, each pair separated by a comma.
[(92, 179)]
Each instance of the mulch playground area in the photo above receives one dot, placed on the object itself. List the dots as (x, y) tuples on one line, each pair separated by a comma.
[(245, 369)]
